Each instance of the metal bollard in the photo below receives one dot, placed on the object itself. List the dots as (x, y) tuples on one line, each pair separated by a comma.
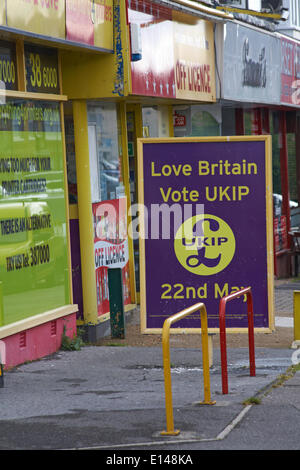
[(1, 376)]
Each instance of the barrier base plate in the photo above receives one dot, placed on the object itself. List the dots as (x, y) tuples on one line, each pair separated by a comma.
[(205, 403), (170, 433)]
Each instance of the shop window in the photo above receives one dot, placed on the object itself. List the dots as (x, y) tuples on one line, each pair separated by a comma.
[(205, 122), (70, 152), (150, 122), (292, 170), (248, 122), (105, 151), (276, 175), (155, 121), (34, 246), (228, 121), (197, 120)]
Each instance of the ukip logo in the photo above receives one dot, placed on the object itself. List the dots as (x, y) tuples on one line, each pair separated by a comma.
[(204, 244)]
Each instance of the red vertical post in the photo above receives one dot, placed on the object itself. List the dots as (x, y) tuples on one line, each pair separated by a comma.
[(251, 334), (284, 174), (222, 328), (223, 348), (297, 138), (239, 121)]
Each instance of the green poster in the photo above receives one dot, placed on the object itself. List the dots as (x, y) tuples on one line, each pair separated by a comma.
[(34, 275)]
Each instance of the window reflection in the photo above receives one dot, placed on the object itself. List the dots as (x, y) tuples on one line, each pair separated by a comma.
[(33, 244), (105, 151)]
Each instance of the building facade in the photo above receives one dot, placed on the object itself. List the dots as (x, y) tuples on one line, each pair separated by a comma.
[(80, 82), (163, 54), (36, 299)]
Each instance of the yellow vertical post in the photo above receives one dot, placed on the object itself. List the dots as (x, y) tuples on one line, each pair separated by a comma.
[(20, 65), (69, 272), (85, 215), (138, 117), (296, 342), (167, 366), (168, 382), (205, 358)]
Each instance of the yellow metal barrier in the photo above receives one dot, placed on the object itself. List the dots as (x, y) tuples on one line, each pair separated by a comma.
[(167, 365)]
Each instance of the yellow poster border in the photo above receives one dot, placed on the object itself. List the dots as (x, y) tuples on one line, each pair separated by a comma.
[(269, 229)]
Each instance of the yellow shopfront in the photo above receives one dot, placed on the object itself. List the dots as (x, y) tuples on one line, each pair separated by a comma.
[(96, 147), (162, 57), (36, 298)]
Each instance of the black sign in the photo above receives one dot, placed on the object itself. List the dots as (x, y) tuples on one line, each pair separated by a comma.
[(41, 69), (8, 66)]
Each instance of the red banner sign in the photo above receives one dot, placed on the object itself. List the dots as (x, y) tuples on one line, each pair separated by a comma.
[(290, 72), (111, 248)]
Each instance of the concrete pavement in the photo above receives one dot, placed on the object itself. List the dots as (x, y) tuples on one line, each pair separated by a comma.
[(112, 399)]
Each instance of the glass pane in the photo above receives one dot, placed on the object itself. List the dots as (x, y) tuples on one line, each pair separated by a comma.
[(292, 171), (155, 121), (197, 120), (105, 151), (228, 121), (150, 121), (248, 121), (204, 123), (70, 153), (33, 230), (274, 123)]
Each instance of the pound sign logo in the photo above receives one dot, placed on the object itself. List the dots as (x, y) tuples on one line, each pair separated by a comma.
[(204, 244)]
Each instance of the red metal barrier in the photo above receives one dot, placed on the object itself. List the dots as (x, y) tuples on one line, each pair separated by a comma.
[(222, 309)]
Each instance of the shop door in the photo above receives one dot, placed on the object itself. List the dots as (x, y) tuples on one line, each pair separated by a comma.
[(95, 187), (109, 205)]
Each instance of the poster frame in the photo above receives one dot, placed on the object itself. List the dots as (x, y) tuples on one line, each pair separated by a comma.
[(269, 229)]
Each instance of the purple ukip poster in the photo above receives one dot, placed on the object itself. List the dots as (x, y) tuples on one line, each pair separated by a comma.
[(206, 230)]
